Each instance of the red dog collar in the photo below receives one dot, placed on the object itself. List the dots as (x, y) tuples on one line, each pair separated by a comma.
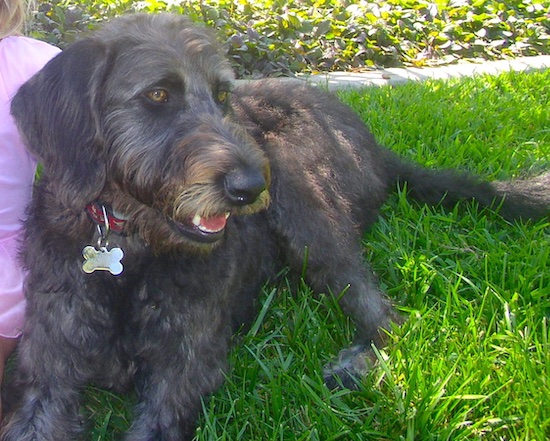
[(95, 210)]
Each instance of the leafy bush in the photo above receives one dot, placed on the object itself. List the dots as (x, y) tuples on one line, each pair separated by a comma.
[(281, 37)]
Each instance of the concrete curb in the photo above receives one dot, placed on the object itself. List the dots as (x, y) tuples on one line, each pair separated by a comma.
[(393, 76)]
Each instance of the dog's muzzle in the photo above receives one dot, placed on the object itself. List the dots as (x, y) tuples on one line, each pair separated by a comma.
[(245, 192)]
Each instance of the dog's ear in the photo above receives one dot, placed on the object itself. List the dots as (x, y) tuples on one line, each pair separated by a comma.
[(56, 113)]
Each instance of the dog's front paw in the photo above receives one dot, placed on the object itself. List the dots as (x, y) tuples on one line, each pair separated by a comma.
[(349, 368)]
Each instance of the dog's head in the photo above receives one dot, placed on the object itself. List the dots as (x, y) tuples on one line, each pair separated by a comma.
[(138, 116)]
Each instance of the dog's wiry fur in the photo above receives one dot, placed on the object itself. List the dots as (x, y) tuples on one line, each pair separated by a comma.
[(136, 118)]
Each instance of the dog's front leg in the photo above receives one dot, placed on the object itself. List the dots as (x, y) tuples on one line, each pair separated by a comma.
[(171, 384), (181, 338), (46, 411), (45, 403), (69, 341)]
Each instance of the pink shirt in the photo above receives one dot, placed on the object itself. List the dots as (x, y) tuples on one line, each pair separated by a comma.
[(20, 58)]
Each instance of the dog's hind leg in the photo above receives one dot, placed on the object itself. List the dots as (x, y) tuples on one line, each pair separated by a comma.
[(350, 278), (333, 261)]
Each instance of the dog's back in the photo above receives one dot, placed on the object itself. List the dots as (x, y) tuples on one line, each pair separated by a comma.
[(346, 161)]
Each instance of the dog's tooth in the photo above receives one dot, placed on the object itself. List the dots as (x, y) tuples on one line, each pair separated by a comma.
[(197, 220)]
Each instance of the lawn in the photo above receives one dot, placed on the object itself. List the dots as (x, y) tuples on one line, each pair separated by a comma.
[(472, 360)]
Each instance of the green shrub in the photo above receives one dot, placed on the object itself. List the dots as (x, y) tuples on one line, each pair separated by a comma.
[(281, 37)]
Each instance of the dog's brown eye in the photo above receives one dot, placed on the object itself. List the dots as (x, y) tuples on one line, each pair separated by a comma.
[(157, 95), (222, 96)]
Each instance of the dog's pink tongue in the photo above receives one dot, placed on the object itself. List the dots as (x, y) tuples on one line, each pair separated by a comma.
[(211, 224)]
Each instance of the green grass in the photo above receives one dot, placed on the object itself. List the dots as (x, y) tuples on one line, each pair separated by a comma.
[(472, 360)]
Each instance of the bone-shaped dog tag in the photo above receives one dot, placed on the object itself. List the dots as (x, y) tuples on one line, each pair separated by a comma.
[(102, 260)]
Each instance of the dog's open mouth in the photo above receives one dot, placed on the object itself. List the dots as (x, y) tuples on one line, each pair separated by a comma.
[(203, 229)]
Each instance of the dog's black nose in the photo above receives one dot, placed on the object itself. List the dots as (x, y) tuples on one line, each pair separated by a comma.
[(243, 187)]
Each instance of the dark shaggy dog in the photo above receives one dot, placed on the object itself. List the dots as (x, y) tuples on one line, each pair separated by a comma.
[(203, 191)]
